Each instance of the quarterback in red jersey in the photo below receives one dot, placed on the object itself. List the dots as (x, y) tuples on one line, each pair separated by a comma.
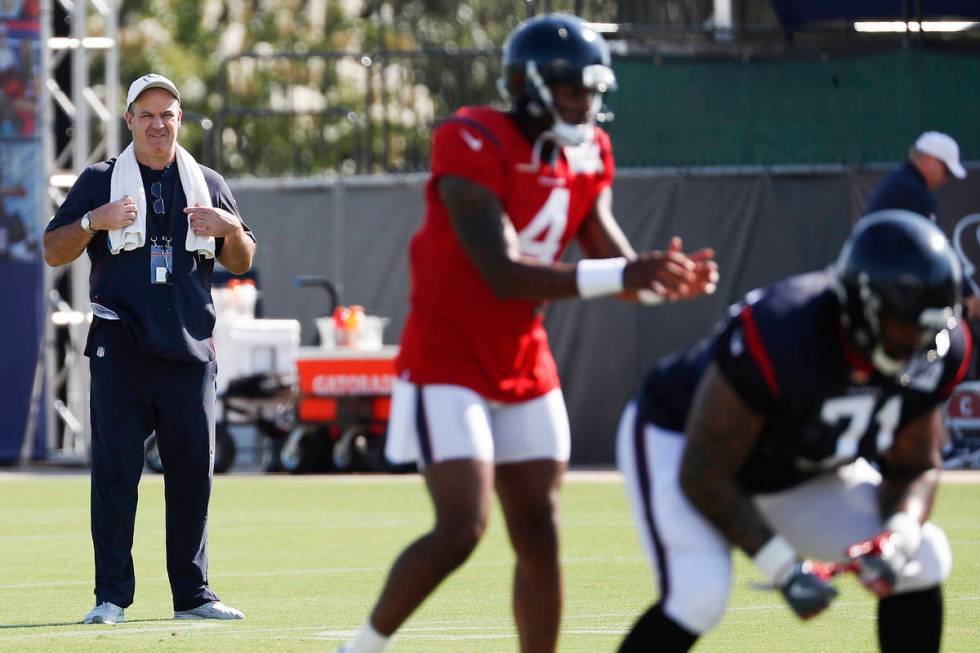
[(462, 330), (478, 403)]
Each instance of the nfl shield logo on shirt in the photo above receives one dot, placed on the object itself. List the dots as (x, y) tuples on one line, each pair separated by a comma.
[(100, 352)]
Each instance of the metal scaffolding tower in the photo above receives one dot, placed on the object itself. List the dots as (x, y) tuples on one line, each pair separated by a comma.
[(81, 126)]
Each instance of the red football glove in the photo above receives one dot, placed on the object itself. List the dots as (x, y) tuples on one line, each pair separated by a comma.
[(879, 562), (827, 570)]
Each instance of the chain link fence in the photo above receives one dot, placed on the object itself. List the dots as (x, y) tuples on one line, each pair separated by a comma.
[(300, 114), (339, 113)]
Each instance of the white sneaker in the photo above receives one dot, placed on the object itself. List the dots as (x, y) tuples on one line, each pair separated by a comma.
[(105, 613), (210, 610), (368, 640)]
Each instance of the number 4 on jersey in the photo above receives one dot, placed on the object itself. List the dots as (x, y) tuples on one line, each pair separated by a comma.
[(541, 238)]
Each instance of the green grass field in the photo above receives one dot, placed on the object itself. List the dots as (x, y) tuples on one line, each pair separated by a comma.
[(304, 557)]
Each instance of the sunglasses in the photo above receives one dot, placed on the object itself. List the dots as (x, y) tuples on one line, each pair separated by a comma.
[(156, 190)]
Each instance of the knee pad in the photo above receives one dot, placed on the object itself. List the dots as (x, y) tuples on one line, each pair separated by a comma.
[(931, 564)]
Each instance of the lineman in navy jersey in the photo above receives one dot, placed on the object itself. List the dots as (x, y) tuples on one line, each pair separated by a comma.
[(784, 363), (761, 436)]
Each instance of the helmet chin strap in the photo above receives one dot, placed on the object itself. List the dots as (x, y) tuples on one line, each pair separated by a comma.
[(886, 364), (570, 135)]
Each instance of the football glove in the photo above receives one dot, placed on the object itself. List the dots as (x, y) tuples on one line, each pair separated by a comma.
[(879, 561), (805, 588), (803, 583)]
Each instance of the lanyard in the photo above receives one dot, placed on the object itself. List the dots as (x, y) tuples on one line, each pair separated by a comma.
[(158, 226)]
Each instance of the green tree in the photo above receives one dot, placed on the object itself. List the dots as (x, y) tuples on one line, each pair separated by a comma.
[(396, 67)]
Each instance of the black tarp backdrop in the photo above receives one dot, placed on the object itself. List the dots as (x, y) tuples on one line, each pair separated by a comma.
[(763, 226), (794, 13)]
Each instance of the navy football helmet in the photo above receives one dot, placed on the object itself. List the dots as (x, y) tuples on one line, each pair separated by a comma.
[(897, 266), (555, 49)]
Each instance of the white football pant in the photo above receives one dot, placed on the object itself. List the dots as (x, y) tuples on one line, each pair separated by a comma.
[(692, 561)]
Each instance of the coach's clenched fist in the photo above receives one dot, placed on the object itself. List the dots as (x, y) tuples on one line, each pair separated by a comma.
[(207, 221), (115, 215)]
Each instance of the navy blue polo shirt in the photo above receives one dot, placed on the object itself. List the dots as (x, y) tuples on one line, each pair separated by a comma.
[(906, 189), (903, 189), (165, 321)]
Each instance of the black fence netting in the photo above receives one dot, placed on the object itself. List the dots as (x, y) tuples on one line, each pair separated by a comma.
[(332, 112)]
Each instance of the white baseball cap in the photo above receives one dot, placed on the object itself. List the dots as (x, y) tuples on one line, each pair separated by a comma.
[(152, 80), (944, 148)]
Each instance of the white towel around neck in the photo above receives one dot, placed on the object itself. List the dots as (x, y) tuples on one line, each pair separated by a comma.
[(126, 180)]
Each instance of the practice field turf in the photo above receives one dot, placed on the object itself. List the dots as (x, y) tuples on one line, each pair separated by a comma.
[(304, 557)]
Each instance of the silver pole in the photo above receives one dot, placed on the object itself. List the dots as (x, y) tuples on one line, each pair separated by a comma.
[(337, 195), (723, 20), (112, 81), (76, 442), (79, 82), (723, 14), (47, 134)]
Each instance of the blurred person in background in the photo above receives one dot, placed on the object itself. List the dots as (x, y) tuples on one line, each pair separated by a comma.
[(763, 435), (8, 54), (478, 403), (152, 222), (933, 160), (13, 231)]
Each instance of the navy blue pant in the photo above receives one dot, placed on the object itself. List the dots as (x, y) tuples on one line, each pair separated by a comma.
[(132, 395)]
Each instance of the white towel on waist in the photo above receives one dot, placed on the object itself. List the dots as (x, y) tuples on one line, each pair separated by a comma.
[(126, 180)]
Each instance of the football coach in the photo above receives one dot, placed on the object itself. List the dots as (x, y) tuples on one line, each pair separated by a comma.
[(152, 222)]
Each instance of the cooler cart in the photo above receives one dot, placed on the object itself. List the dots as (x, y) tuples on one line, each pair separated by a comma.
[(342, 409)]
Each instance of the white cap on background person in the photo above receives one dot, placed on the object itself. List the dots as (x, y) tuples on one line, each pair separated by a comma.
[(944, 148), (152, 80)]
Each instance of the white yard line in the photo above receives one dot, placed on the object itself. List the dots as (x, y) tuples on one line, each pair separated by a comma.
[(337, 571), (326, 571), (97, 631), (580, 624)]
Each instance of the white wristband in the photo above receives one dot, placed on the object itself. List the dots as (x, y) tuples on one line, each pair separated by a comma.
[(908, 530), (774, 558), (597, 277), (648, 297)]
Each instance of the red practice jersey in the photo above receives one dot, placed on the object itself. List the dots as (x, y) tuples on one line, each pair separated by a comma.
[(458, 331)]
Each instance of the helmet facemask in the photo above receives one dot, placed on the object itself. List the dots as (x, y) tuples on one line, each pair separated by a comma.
[(903, 349), (898, 343), (597, 79)]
